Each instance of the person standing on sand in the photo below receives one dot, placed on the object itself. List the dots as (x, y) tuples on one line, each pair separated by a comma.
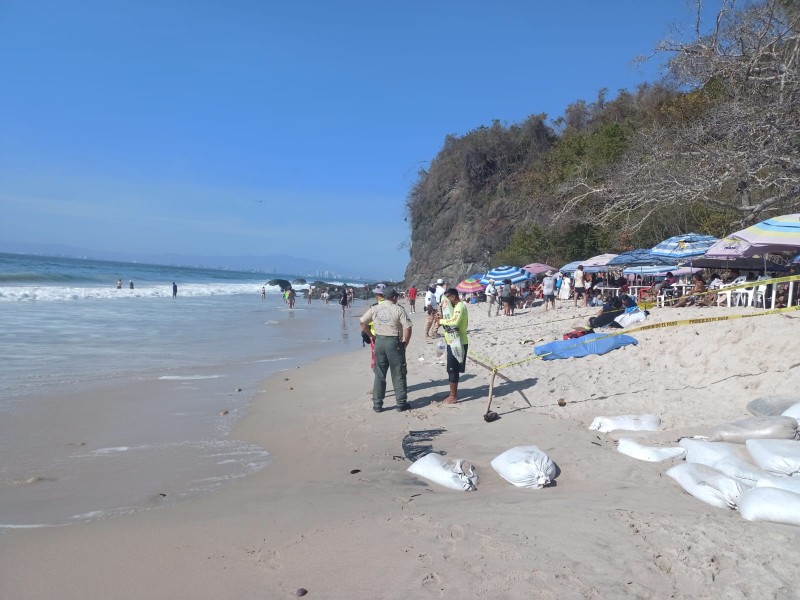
[(263, 292), (343, 300), (432, 310), (291, 295), (549, 290), (580, 290), (392, 334), (491, 297), (412, 298), (174, 290), (310, 291), (455, 325)]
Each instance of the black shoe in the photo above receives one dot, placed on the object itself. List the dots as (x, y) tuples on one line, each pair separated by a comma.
[(402, 407), (377, 408)]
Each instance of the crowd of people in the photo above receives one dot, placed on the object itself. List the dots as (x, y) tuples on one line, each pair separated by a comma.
[(387, 327)]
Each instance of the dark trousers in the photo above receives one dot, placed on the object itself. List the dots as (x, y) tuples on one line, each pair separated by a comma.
[(389, 355)]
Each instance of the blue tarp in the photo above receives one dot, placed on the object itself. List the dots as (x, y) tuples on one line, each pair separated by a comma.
[(593, 343)]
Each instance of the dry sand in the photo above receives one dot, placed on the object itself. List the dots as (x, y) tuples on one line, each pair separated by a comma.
[(612, 527)]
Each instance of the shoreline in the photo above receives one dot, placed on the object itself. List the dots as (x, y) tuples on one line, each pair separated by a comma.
[(610, 527)]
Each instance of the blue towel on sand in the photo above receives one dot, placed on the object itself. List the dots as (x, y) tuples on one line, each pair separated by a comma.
[(592, 343)]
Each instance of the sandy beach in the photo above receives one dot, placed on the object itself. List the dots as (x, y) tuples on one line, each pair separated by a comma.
[(336, 513)]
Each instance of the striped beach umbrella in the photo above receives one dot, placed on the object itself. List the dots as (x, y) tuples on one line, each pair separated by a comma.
[(470, 286), (515, 274), (776, 234), (684, 246), (638, 257)]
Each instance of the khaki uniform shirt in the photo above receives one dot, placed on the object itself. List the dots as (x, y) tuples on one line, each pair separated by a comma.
[(388, 319)]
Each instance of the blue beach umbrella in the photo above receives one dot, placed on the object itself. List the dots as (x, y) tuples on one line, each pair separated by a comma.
[(515, 274), (684, 246), (638, 257)]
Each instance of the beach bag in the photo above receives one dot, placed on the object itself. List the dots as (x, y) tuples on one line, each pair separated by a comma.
[(738, 432), (634, 449), (706, 484), (770, 504), (525, 466), (780, 457), (626, 422), (455, 345), (454, 474), (577, 333)]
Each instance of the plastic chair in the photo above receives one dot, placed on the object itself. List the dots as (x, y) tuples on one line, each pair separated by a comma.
[(726, 295), (747, 296)]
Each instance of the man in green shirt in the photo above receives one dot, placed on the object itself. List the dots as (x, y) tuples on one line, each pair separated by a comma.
[(455, 325)]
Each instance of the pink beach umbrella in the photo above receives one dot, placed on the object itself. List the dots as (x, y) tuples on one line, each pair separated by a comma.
[(537, 268)]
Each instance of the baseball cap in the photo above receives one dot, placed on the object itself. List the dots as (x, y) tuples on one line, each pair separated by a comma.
[(380, 289), (439, 281)]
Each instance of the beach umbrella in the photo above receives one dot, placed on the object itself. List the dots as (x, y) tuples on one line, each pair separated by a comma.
[(776, 234), (638, 257), (598, 264), (742, 264), (729, 248), (684, 246), (537, 268), (515, 274), (571, 267), (470, 286), (587, 267), (659, 270), (476, 276)]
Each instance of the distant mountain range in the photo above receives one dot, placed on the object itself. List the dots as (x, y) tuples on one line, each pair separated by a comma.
[(271, 263)]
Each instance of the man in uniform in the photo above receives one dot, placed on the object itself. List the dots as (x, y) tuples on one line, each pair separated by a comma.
[(392, 334)]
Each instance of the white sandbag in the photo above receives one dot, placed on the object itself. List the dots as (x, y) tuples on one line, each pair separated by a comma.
[(634, 449), (725, 457), (738, 432), (631, 318), (790, 484), (770, 504), (771, 405), (455, 474), (626, 422), (525, 466), (793, 411), (706, 484), (707, 453), (781, 457)]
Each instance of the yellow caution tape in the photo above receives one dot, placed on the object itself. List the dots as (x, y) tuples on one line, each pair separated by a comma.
[(665, 324)]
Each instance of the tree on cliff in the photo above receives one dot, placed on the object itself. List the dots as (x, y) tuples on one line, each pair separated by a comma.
[(729, 147)]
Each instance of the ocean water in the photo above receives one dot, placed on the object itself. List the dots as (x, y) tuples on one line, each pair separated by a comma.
[(117, 400)]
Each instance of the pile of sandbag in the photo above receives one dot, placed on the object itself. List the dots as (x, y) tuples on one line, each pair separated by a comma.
[(751, 465), (521, 466)]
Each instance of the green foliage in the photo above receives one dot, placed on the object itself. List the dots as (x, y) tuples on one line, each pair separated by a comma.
[(535, 243)]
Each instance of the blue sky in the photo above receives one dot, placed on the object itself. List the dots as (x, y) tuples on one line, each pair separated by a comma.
[(257, 127)]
